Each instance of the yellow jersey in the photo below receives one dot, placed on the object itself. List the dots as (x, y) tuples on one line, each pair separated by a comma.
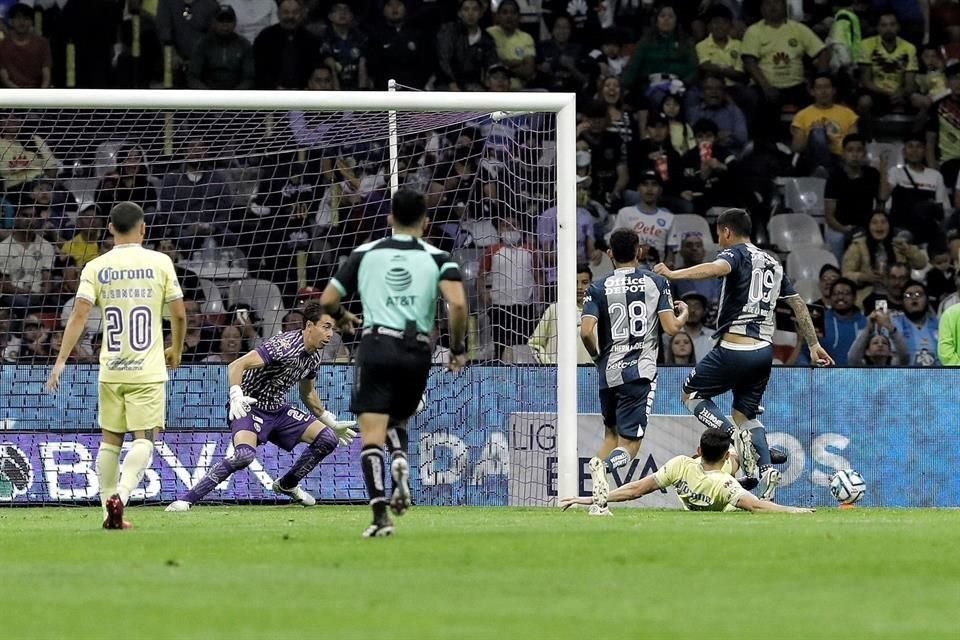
[(837, 120), (513, 48), (130, 285), (81, 250), (727, 57), (779, 50), (700, 490), (888, 67)]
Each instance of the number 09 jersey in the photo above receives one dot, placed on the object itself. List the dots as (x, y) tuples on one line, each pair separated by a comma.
[(130, 285), (626, 305)]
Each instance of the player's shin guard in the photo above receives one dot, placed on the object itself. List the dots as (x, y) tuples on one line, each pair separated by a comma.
[(618, 459), (758, 436), (709, 414), (135, 463), (242, 456), (397, 441), (372, 463), (324, 444), (108, 472)]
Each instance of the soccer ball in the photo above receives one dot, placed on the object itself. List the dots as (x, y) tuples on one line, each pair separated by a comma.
[(847, 486)]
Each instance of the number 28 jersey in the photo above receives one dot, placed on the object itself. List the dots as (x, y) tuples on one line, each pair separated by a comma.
[(750, 292), (626, 305), (131, 284)]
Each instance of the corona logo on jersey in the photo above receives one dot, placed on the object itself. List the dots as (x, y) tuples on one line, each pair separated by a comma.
[(16, 472), (107, 275)]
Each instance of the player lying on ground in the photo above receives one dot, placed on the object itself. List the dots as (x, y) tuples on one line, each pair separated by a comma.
[(258, 412), (704, 484)]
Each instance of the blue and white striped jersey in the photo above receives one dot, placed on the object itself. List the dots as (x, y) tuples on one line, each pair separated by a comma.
[(626, 305), (750, 292)]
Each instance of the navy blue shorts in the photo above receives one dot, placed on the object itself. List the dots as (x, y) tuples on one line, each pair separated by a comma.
[(746, 373), (626, 407)]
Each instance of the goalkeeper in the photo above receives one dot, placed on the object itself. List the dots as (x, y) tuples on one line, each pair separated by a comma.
[(258, 412), (704, 484)]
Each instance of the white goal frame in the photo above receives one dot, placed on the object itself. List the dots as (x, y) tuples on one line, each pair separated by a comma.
[(562, 104)]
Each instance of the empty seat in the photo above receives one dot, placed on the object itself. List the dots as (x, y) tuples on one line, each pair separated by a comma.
[(809, 289), (265, 298), (805, 261), (790, 229), (214, 301), (804, 195)]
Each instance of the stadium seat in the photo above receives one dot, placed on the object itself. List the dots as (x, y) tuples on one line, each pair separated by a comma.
[(790, 229), (684, 223), (214, 300), (804, 195), (805, 261), (808, 288), (265, 298), (469, 261)]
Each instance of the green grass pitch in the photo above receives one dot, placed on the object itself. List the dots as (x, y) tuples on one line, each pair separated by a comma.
[(287, 572)]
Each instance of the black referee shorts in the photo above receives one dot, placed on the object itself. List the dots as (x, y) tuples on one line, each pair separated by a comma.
[(389, 376)]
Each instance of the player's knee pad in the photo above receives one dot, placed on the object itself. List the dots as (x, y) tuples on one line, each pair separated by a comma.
[(243, 455), (325, 442)]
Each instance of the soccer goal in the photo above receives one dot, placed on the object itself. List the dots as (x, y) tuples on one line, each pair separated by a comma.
[(258, 197)]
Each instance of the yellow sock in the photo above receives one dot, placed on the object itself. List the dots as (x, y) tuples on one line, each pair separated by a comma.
[(108, 472), (134, 464)]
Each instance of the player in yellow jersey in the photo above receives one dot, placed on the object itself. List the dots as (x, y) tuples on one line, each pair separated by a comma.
[(130, 285), (704, 484)]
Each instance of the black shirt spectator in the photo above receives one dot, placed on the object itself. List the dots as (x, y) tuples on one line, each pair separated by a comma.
[(397, 50), (656, 153), (584, 17), (851, 188), (222, 59), (137, 73), (558, 60), (608, 158), (285, 54), (464, 50), (343, 49)]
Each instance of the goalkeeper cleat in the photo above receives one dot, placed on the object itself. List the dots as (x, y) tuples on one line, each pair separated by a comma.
[(745, 451), (778, 456), (400, 500), (178, 505), (769, 481), (296, 494), (379, 529), (597, 510), (598, 474), (114, 518)]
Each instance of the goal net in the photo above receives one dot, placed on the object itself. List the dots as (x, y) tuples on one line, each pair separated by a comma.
[(258, 208)]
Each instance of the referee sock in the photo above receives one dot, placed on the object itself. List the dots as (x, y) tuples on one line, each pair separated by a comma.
[(709, 414), (134, 465), (372, 463), (108, 472), (758, 436), (397, 441), (618, 459), (322, 446)]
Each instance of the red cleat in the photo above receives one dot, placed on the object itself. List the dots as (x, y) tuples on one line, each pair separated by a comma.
[(115, 514)]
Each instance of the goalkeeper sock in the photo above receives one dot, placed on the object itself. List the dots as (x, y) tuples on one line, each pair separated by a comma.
[(709, 414), (617, 459), (134, 465), (397, 441), (108, 472), (371, 461), (758, 436), (242, 456), (322, 446)]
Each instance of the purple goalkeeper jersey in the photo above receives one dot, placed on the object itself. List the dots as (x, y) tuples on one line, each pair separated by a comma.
[(287, 363)]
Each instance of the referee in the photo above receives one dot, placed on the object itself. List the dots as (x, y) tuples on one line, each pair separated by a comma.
[(397, 279)]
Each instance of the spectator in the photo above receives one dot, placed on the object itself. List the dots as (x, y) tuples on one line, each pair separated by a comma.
[(230, 346), (828, 275), (719, 53), (292, 321), (81, 353), (25, 57), (285, 54), (696, 327), (222, 59), (9, 345), (498, 78), (879, 344), (918, 325), (680, 349), (716, 106), (182, 23), (890, 290), (584, 17), (656, 154), (464, 50), (681, 133), (253, 16), (664, 51), (397, 50), (343, 49), (652, 224), (507, 284), (610, 174), (818, 130), (26, 263), (706, 169), (128, 182), (842, 321), (188, 279), (773, 52), (917, 192), (137, 72), (609, 60), (621, 120), (888, 69), (850, 195), (913, 15), (24, 157), (547, 238), (943, 129), (52, 220), (559, 58), (33, 346), (198, 339), (515, 48), (931, 80), (941, 278), (322, 79), (951, 299), (84, 246), (194, 202), (948, 347), (872, 252), (543, 342)]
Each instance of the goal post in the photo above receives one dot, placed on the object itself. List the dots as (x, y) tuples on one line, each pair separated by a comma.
[(561, 106)]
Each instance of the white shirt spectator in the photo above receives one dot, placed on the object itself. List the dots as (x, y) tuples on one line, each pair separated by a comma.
[(510, 274), (654, 229), (24, 265), (484, 232), (927, 180)]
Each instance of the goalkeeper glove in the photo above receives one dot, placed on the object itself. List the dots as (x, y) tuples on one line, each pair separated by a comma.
[(344, 430), (239, 403)]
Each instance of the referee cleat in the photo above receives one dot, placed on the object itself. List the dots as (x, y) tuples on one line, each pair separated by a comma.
[(296, 494), (745, 451), (769, 481), (178, 506), (380, 529), (778, 456), (598, 474), (400, 500), (114, 518)]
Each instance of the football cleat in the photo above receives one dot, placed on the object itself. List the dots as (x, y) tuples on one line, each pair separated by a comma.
[(380, 529), (114, 519), (778, 456), (749, 483), (597, 510), (178, 505), (769, 481), (598, 474), (745, 451), (296, 494), (400, 499)]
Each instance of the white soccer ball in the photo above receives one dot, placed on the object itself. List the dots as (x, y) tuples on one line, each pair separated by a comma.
[(847, 486)]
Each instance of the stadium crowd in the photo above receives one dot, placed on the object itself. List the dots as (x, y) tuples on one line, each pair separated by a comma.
[(836, 123)]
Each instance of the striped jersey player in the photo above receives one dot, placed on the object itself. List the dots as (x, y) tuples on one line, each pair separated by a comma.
[(627, 308)]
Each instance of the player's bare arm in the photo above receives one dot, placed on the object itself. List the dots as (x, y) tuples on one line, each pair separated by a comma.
[(588, 336), (178, 330), (750, 502), (806, 329), (76, 325), (674, 320), (346, 321), (705, 271), (456, 299), (311, 400), (629, 491)]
